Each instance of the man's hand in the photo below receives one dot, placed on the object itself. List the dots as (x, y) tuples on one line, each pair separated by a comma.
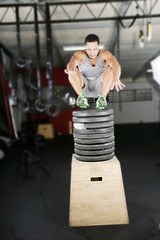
[(76, 60), (118, 85), (70, 71)]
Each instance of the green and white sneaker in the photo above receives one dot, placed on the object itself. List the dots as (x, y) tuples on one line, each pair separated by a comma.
[(82, 101), (101, 103)]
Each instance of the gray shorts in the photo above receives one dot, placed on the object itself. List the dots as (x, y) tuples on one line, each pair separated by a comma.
[(93, 87)]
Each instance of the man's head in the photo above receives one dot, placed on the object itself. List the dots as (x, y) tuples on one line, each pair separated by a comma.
[(92, 38), (92, 45)]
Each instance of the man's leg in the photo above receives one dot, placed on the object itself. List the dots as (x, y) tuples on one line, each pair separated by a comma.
[(76, 80), (107, 83)]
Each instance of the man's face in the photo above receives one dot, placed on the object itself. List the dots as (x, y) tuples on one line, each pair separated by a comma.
[(92, 49)]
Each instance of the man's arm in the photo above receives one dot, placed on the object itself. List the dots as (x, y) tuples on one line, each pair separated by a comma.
[(76, 60), (110, 60)]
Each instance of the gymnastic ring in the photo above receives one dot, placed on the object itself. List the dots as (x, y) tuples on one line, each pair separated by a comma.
[(50, 108), (40, 106)]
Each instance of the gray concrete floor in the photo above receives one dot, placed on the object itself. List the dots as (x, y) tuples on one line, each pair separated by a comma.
[(37, 208)]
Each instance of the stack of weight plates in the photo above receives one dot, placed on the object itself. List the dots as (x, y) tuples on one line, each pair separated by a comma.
[(93, 132)]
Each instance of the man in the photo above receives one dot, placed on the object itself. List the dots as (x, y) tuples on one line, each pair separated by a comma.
[(93, 73)]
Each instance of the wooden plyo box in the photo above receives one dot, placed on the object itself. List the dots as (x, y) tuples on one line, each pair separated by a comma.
[(46, 130), (97, 195)]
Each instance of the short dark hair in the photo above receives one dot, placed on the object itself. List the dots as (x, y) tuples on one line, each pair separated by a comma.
[(92, 38)]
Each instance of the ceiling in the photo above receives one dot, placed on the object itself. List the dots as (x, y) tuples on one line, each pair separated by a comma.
[(117, 23)]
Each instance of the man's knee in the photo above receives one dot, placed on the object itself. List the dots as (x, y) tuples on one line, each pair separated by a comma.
[(72, 75), (76, 77), (108, 71), (107, 74)]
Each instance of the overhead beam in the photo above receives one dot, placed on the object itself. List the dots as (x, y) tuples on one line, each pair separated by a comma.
[(86, 19), (72, 26), (63, 3), (69, 19)]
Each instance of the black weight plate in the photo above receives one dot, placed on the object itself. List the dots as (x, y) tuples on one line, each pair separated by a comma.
[(92, 119), (93, 125), (93, 131), (92, 113), (98, 125), (94, 158), (93, 141), (94, 153), (95, 146), (93, 136)]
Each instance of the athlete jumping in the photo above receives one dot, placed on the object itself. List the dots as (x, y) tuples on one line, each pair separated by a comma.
[(93, 73)]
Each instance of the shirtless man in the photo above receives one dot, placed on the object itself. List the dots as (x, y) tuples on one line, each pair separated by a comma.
[(93, 73)]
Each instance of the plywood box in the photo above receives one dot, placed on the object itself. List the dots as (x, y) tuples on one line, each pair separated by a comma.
[(97, 195), (47, 130)]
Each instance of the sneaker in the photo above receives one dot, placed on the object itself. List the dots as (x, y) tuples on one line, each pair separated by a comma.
[(101, 102), (82, 101)]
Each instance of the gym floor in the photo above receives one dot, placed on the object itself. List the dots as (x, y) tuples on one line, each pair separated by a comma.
[(37, 208)]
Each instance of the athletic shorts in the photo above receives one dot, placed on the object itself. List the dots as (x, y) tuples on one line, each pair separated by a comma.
[(93, 87)]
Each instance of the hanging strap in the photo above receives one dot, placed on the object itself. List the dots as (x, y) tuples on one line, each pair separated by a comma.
[(49, 72), (39, 105), (130, 25)]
